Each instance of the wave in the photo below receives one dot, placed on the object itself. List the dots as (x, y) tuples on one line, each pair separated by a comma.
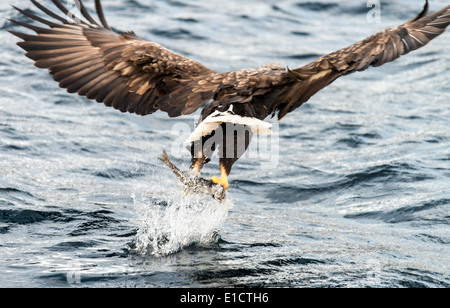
[(317, 6), (23, 217), (116, 173), (177, 34), (366, 178), (405, 214)]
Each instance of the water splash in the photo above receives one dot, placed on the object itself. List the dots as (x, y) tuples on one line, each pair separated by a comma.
[(173, 220)]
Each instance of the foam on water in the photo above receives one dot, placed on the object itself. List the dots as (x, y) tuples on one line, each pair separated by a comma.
[(170, 220)]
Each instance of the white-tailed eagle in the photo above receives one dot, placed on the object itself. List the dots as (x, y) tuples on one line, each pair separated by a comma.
[(133, 75)]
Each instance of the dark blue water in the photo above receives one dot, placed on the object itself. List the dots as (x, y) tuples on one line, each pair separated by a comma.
[(358, 197)]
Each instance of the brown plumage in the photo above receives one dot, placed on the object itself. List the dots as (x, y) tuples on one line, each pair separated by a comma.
[(136, 76)]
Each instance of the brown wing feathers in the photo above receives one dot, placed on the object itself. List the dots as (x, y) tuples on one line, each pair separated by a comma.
[(376, 50), (121, 71), (141, 77)]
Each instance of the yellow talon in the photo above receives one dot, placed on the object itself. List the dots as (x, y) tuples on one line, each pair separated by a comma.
[(223, 181)]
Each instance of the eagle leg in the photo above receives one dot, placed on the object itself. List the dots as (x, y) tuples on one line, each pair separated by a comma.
[(236, 139), (201, 155), (223, 177), (197, 165)]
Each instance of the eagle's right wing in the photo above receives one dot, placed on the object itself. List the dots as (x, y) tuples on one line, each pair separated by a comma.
[(376, 50)]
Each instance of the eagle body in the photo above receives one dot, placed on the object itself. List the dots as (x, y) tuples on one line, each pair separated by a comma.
[(132, 75)]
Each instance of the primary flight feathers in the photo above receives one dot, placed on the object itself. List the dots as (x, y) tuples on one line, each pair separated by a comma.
[(136, 76)]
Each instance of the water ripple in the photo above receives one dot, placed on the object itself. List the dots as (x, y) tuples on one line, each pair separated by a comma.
[(406, 213)]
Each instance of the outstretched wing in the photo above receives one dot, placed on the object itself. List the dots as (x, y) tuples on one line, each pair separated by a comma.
[(121, 71), (376, 50)]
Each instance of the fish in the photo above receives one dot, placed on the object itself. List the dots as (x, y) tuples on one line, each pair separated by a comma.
[(194, 184)]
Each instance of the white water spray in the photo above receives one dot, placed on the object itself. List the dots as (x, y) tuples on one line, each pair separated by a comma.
[(169, 220)]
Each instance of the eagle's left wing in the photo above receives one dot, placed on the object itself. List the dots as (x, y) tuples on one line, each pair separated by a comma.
[(119, 70), (376, 50)]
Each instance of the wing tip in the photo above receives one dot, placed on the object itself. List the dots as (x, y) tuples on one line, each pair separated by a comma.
[(84, 12), (423, 13), (101, 15)]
